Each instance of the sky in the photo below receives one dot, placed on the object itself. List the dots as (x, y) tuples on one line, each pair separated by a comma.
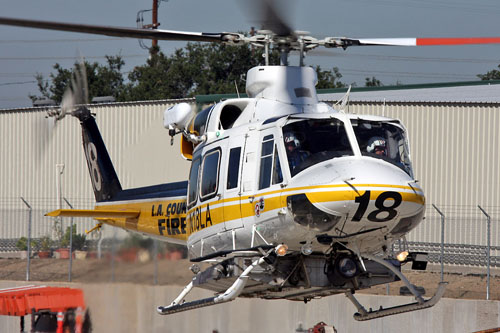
[(25, 52)]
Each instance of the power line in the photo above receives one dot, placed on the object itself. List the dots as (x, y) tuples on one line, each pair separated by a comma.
[(408, 74), (423, 59), (21, 41), (11, 75), (14, 99), (66, 58), (14, 83), (322, 53), (419, 4), (33, 75)]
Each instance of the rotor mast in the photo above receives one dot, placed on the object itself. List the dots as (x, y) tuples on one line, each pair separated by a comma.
[(266, 38)]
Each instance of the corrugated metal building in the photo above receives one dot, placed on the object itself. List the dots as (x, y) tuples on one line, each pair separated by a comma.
[(32, 148), (453, 134), (455, 149)]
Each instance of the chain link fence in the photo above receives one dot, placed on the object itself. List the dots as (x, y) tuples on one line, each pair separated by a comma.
[(111, 254), (466, 240)]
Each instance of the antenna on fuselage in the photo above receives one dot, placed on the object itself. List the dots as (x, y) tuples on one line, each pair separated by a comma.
[(344, 101), (236, 86)]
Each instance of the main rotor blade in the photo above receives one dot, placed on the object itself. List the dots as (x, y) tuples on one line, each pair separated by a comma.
[(119, 31), (420, 41), (272, 20)]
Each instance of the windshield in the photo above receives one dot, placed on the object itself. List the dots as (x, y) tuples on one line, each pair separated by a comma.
[(383, 140), (308, 142)]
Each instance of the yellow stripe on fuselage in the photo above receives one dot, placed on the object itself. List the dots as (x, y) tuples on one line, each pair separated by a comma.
[(316, 197), (168, 218), (160, 217), (229, 209)]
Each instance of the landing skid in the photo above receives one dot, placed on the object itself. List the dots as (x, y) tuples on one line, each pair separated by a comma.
[(178, 305), (363, 314), (421, 303), (296, 277)]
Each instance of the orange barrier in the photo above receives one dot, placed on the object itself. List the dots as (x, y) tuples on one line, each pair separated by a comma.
[(23, 300), (41, 300)]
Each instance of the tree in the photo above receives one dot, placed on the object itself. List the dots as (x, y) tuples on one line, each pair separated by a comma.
[(102, 80), (328, 79), (373, 82), (196, 69), (491, 75)]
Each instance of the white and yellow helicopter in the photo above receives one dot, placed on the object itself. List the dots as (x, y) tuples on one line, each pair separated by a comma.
[(287, 197)]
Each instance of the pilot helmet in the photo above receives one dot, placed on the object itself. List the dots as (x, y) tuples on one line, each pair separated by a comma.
[(291, 140), (375, 143)]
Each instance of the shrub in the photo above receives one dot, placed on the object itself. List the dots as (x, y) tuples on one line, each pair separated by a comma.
[(78, 239), (22, 244), (45, 243)]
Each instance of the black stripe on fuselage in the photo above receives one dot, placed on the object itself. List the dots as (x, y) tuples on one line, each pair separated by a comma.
[(176, 189)]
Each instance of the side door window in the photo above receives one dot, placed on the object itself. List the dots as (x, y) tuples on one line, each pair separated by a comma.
[(210, 175), (277, 173), (270, 166), (233, 168), (232, 194), (193, 182)]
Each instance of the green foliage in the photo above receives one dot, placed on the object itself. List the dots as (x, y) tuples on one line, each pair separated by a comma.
[(22, 244), (196, 69), (491, 75), (134, 241), (372, 82), (45, 243), (78, 241), (103, 80), (328, 79)]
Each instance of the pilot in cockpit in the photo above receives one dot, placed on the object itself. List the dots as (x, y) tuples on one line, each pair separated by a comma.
[(377, 145), (294, 151)]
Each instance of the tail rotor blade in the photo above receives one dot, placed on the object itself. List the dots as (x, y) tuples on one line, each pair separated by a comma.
[(76, 93), (79, 83)]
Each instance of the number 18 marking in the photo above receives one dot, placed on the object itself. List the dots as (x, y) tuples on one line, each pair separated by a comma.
[(364, 200)]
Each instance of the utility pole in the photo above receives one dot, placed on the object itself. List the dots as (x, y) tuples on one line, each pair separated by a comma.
[(155, 24)]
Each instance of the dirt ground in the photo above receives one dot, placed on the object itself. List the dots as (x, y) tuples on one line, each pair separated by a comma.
[(464, 283)]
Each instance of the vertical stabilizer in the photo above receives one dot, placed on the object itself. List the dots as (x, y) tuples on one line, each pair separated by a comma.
[(102, 173)]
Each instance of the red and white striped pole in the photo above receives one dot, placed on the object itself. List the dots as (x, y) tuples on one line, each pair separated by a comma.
[(60, 321)]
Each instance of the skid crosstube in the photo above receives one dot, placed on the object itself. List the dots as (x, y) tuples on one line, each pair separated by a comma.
[(231, 293)]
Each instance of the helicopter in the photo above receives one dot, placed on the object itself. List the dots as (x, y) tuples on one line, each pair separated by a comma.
[(287, 197)]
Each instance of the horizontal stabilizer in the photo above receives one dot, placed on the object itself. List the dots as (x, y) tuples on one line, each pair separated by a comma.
[(94, 213)]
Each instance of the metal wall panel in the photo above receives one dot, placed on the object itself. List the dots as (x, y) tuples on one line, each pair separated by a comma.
[(454, 147), (455, 150), (31, 147)]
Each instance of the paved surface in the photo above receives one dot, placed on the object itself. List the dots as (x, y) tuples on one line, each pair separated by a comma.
[(124, 307)]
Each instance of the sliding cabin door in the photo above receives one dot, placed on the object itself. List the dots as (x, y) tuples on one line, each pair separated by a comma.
[(232, 175)]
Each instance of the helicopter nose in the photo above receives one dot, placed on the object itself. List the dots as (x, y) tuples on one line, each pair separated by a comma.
[(358, 189)]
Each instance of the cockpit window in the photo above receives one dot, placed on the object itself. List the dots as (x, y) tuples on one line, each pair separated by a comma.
[(193, 181), (308, 142), (383, 140)]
